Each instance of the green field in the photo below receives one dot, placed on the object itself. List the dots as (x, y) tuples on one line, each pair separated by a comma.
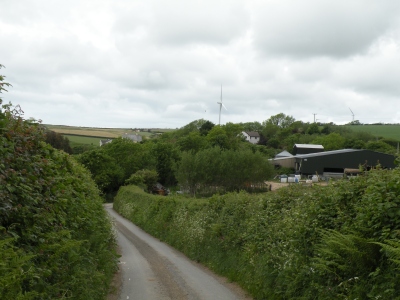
[(386, 131), (76, 139), (93, 135)]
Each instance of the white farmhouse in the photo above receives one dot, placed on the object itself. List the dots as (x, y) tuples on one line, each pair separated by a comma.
[(251, 136)]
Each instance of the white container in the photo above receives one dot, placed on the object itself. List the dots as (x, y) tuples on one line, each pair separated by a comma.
[(290, 179), (298, 177), (314, 178), (284, 179)]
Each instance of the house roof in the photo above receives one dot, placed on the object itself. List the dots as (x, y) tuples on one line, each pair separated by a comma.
[(253, 133), (308, 146), (327, 153), (283, 154)]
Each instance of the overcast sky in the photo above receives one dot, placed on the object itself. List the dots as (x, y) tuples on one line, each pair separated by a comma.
[(155, 63)]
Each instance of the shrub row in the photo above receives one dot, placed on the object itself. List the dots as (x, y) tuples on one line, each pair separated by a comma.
[(56, 240), (335, 242)]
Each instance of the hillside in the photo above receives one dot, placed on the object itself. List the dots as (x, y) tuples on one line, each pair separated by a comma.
[(385, 131), (92, 135)]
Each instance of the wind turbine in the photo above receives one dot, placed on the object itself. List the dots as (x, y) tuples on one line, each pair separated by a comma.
[(352, 113), (220, 107)]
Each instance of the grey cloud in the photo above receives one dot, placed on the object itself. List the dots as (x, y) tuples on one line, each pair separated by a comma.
[(321, 27), (182, 22), (374, 74)]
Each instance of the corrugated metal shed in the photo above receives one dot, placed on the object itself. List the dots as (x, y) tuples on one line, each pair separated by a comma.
[(283, 154), (338, 160), (307, 148), (335, 161)]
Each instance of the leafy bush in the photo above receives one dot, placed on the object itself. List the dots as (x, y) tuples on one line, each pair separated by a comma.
[(219, 170), (339, 241), (105, 171), (143, 178), (55, 238)]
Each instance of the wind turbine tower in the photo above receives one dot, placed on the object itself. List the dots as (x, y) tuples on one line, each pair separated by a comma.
[(352, 113), (220, 107)]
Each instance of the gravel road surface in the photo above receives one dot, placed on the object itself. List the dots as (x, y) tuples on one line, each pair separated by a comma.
[(152, 270)]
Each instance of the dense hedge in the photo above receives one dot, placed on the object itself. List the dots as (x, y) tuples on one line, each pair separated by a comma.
[(335, 242), (55, 238)]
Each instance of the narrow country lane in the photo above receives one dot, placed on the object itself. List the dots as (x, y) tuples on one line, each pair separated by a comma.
[(151, 270)]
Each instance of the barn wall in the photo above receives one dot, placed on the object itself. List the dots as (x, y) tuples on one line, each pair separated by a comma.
[(337, 161)]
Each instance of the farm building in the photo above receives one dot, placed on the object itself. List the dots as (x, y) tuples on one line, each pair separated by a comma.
[(283, 154), (334, 163), (136, 138), (103, 142), (251, 136), (307, 148)]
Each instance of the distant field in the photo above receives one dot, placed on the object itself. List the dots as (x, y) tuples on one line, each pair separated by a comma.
[(386, 131), (83, 139), (87, 131), (92, 135)]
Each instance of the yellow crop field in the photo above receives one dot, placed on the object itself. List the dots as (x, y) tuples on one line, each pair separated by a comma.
[(89, 131)]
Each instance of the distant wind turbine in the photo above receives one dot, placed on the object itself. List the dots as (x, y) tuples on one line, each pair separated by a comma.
[(352, 113), (220, 107)]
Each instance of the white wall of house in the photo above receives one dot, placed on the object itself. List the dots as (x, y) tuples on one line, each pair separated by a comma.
[(251, 139)]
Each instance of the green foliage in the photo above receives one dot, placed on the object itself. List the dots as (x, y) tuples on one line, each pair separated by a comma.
[(194, 141), (217, 137), (215, 170), (252, 126), (354, 144), (166, 156), (145, 178), (55, 238), (380, 146), (129, 156), (332, 141), (105, 171), (339, 241), (58, 141), (385, 131), (313, 129), (206, 127), (280, 120)]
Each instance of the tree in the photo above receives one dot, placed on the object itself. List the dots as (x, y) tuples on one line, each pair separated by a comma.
[(331, 141), (194, 141), (143, 178), (206, 127), (355, 122), (166, 156), (380, 146), (58, 141), (213, 169), (217, 137), (354, 144), (326, 129), (280, 120), (105, 170), (3, 84), (252, 126), (313, 129), (129, 156), (234, 134), (2, 89)]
